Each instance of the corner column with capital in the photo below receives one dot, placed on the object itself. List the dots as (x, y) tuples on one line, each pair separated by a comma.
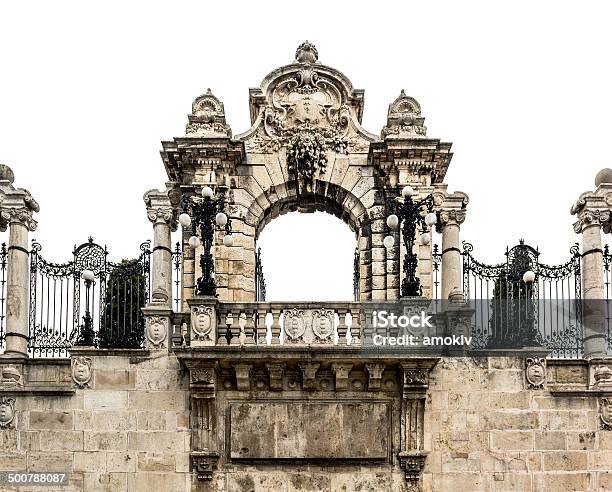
[(157, 313), (16, 209), (451, 215), (593, 212)]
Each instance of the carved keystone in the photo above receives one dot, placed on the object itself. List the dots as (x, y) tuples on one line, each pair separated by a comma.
[(203, 463), (309, 372), (375, 372), (342, 373), (275, 373), (243, 381)]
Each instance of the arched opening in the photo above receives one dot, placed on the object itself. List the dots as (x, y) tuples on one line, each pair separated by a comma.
[(308, 257)]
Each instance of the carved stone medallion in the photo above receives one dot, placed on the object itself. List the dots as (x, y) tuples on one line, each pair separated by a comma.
[(295, 324), (7, 412), (605, 413), (323, 324), (202, 322), (157, 330), (535, 372), (81, 371)]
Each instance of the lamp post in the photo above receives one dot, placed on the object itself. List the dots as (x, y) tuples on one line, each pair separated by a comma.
[(204, 214), (528, 333), (87, 335), (408, 214)]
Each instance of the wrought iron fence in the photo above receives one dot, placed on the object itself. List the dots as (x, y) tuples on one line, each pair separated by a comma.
[(260, 281), (112, 307), (436, 264), (177, 261), (356, 275), (607, 263), (505, 305), (3, 265)]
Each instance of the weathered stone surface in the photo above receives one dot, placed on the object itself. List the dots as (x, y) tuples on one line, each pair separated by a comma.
[(290, 430)]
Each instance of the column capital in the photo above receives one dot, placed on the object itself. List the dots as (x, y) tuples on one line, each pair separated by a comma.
[(159, 207), (451, 207), (593, 208)]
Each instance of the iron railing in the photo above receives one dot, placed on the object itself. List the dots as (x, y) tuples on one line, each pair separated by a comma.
[(260, 280), (3, 265), (607, 263), (113, 300), (504, 305), (356, 275), (177, 261)]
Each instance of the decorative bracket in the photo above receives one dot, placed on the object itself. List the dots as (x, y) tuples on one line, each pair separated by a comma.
[(412, 462), (203, 463)]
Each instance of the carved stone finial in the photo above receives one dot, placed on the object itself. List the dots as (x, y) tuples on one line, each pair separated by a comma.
[(603, 176), (306, 53), (207, 118), (404, 119), (6, 173)]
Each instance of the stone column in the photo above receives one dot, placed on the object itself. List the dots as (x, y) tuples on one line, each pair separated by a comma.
[(593, 212), (161, 213), (16, 209), (451, 215)]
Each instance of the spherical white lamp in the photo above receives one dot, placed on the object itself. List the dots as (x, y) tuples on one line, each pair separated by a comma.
[(194, 241), (207, 192), (407, 191), (529, 277), (88, 275), (425, 238), (221, 219), (388, 241), (184, 220), (431, 219), (228, 240), (392, 222)]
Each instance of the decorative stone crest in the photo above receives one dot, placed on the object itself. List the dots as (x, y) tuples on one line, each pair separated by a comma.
[(207, 118), (605, 413), (323, 324), (404, 119), (295, 324), (7, 412), (157, 330), (82, 370), (535, 372), (202, 323)]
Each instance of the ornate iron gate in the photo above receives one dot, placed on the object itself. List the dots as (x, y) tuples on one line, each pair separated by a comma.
[(113, 300), (504, 304)]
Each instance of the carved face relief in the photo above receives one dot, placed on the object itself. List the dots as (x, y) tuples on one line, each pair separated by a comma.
[(535, 373), (7, 412), (156, 330), (81, 371), (605, 413), (202, 322)]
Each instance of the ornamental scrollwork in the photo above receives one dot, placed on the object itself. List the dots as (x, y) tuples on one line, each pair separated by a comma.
[(404, 119)]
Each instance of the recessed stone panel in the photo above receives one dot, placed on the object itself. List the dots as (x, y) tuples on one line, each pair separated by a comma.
[(309, 431)]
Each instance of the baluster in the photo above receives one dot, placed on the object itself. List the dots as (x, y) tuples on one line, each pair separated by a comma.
[(342, 328), (222, 328), (262, 330), (235, 328), (249, 326), (276, 327), (356, 326)]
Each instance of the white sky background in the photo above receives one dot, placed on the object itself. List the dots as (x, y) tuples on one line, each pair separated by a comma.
[(87, 92)]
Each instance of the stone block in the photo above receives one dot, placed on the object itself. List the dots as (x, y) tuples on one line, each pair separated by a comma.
[(90, 461), (581, 440), (461, 482), (460, 462), (564, 403), (105, 399), (105, 482), (159, 400), (560, 420), (547, 440), (565, 460), (156, 462), (146, 482), (512, 482), (50, 420), (556, 482), (111, 441), (600, 460), (512, 440), (121, 461), (61, 440), (499, 420), (114, 379), (361, 480), (13, 461), (505, 400), (106, 420), (152, 420), (158, 441), (507, 380), (50, 461), (161, 380)]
